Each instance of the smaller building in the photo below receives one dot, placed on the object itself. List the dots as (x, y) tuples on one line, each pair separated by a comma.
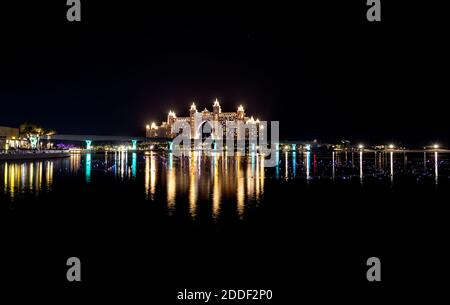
[(161, 131), (9, 138)]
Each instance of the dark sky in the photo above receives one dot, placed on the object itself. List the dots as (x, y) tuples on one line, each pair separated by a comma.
[(322, 70)]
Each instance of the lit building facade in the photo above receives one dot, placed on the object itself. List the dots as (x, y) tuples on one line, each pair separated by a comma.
[(9, 138), (220, 123)]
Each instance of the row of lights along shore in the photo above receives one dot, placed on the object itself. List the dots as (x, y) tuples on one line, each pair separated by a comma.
[(392, 146)]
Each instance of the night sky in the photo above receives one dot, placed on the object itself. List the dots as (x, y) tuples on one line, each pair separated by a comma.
[(322, 70)]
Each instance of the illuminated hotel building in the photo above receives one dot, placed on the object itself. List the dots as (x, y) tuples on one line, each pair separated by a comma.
[(197, 120)]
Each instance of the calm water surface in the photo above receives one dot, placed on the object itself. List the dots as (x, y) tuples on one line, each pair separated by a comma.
[(198, 184)]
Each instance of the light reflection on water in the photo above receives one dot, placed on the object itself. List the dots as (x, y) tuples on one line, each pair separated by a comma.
[(26, 177), (196, 178), (200, 178)]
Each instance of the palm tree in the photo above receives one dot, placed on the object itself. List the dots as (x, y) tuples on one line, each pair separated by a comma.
[(34, 133)]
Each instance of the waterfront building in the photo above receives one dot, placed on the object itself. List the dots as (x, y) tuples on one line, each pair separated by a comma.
[(9, 138), (196, 120)]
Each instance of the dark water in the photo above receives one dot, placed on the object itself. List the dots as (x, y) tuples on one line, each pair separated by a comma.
[(228, 222), (240, 181)]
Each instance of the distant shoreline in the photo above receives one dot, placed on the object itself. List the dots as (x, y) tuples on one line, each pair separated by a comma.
[(33, 156)]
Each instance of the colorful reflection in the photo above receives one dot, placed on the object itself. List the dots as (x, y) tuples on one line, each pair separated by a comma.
[(436, 167), (240, 186), (88, 167), (194, 169), (308, 164), (223, 181), (216, 187), (26, 177), (361, 165), (391, 165), (75, 161), (133, 165), (222, 184), (150, 176), (277, 162), (294, 164), (171, 184)]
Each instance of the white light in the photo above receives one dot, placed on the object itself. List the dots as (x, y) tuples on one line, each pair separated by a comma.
[(360, 146), (391, 146), (435, 146)]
